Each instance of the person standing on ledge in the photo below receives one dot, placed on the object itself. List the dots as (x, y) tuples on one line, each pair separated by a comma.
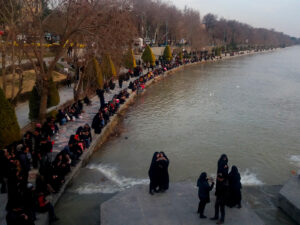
[(163, 174), (235, 186), (223, 166), (158, 173), (221, 191), (153, 174), (203, 192), (100, 93)]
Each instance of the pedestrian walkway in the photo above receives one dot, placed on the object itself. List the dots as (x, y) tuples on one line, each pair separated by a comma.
[(62, 137)]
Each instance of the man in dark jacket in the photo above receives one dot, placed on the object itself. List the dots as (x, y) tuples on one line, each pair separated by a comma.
[(100, 93), (203, 193), (4, 169), (221, 191), (25, 164)]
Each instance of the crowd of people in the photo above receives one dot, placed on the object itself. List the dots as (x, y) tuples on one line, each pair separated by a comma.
[(35, 150), (228, 190)]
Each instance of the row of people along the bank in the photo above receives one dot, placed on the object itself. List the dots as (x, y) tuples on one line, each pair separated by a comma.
[(227, 191), (35, 150)]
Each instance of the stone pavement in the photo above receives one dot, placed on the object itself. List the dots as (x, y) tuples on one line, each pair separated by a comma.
[(177, 206), (289, 198), (61, 139)]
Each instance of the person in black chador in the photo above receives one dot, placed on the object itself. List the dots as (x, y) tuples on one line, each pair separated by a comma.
[(153, 174), (163, 174), (100, 93), (98, 122), (223, 166), (221, 192), (235, 186), (203, 192)]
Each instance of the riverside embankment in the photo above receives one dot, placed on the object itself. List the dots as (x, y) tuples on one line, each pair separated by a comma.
[(97, 140), (246, 107)]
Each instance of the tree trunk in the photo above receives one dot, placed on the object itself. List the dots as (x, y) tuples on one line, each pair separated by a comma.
[(78, 87), (4, 82), (13, 72), (44, 98)]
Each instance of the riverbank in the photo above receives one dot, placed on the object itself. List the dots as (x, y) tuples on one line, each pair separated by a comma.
[(194, 116), (90, 112), (98, 140)]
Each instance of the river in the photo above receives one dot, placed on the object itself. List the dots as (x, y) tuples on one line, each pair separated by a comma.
[(247, 107)]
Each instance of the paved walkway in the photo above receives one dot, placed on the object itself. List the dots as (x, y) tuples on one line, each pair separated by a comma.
[(22, 109), (61, 139), (24, 61), (177, 206)]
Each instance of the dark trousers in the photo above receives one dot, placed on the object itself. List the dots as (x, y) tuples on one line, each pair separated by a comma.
[(48, 208), (201, 207), (220, 205), (3, 182)]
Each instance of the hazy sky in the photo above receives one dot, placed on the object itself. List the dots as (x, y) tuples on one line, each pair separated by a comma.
[(282, 15)]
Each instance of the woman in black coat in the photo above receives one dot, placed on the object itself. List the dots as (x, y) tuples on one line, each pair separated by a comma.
[(203, 193), (163, 165), (223, 166), (153, 174), (235, 186)]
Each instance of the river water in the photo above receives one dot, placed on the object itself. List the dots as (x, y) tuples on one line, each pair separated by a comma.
[(247, 107)]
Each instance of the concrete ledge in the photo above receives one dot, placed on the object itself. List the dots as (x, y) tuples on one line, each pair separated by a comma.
[(289, 198), (177, 206)]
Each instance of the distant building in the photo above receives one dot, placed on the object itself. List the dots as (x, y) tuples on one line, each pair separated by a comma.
[(138, 42)]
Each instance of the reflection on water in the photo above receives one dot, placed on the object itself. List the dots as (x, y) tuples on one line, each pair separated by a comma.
[(248, 108)]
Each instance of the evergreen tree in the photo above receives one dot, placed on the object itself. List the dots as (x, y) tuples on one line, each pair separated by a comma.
[(53, 95), (167, 55), (35, 99), (108, 67), (129, 60), (10, 130), (218, 51), (98, 73), (180, 56), (148, 56)]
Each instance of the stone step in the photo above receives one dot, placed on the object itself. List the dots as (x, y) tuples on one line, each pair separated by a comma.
[(177, 206), (289, 198)]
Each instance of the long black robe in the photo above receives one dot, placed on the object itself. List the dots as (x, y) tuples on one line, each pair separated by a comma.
[(235, 187), (96, 124), (153, 173), (223, 166), (163, 173)]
